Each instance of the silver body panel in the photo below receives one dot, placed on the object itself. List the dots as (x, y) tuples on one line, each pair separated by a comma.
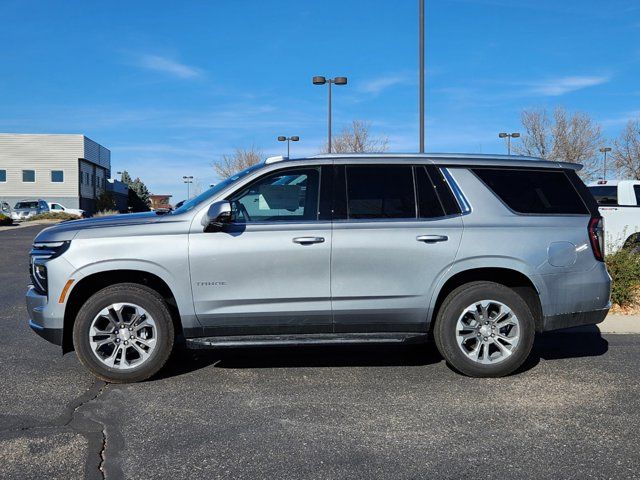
[(366, 276)]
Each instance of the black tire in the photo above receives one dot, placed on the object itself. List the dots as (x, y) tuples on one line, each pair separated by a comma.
[(452, 308), (142, 296)]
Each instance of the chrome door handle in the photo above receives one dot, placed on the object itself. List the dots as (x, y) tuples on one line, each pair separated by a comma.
[(308, 240), (432, 238)]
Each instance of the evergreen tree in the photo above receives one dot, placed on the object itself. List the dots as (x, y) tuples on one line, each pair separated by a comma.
[(137, 186)]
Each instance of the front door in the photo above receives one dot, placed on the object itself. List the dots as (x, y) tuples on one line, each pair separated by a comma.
[(396, 238), (267, 272)]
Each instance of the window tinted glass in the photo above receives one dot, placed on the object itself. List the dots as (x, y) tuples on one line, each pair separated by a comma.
[(28, 175), (291, 195), (380, 192), (443, 188), (26, 205), (57, 176), (605, 195), (429, 204), (3, 175), (636, 190), (534, 191)]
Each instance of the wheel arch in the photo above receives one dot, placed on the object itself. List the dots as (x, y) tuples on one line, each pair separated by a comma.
[(91, 284), (509, 277)]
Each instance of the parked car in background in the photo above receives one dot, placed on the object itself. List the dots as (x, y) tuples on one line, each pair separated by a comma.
[(478, 252), (59, 208), (25, 209), (619, 205), (5, 208)]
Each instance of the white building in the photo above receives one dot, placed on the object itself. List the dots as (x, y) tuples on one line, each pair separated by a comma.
[(67, 169)]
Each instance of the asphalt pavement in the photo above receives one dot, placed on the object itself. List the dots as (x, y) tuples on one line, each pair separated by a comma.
[(368, 412)]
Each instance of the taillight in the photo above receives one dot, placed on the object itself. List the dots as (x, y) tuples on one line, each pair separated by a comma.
[(596, 237)]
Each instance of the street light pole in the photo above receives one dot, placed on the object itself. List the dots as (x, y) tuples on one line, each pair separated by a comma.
[(293, 138), (508, 136), (604, 150), (188, 180), (421, 50), (318, 80)]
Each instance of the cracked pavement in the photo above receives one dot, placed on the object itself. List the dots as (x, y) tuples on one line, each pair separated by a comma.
[(362, 412)]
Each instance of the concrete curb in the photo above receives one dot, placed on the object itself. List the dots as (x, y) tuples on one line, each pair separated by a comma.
[(616, 323), (17, 226)]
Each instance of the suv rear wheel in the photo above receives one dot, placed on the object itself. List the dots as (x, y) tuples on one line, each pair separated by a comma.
[(124, 333), (484, 329)]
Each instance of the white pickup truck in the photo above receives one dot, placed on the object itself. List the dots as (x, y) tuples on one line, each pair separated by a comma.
[(619, 202)]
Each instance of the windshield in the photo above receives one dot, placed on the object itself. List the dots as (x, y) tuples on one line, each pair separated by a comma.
[(26, 205), (206, 195)]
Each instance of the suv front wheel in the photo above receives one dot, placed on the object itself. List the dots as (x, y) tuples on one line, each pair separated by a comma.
[(124, 333), (484, 329)]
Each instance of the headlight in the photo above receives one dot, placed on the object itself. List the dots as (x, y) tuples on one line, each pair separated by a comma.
[(39, 255)]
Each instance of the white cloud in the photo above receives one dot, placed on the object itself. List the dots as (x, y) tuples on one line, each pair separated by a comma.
[(377, 85), (167, 65), (559, 86)]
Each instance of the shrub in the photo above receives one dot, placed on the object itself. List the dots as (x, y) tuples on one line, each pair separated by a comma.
[(4, 220), (106, 213), (624, 268), (62, 216)]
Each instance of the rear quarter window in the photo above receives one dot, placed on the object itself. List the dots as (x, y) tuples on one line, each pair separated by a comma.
[(534, 191)]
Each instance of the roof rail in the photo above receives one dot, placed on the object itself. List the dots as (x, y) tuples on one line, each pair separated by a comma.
[(277, 158)]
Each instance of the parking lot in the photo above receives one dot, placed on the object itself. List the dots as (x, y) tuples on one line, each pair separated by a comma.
[(363, 412)]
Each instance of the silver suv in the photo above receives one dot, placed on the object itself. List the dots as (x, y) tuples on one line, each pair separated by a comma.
[(478, 252)]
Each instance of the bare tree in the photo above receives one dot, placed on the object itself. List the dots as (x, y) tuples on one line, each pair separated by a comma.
[(357, 138), (626, 150), (238, 160), (573, 138), (198, 187)]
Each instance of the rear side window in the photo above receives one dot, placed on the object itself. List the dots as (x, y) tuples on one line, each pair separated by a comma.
[(605, 195), (429, 204), (534, 191), (636, 190), (380, 192)]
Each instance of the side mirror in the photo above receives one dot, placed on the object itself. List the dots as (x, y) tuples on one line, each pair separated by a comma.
[(217, 216)]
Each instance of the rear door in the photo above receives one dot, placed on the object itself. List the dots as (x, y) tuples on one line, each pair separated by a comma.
[(393, 237)]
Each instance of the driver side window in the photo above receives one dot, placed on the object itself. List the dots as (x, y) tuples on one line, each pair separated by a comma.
[(284, 196)]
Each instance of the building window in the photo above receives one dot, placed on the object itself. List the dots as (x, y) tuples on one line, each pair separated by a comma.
[(28, 176), (57, 176), (3, 176)]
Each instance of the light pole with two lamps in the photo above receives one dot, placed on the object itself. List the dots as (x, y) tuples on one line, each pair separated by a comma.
[(604, 151), (294, 138), (188, 179), (321, 81), (508, 136)]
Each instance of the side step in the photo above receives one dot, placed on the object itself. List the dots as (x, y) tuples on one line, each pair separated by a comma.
[(306, 339)]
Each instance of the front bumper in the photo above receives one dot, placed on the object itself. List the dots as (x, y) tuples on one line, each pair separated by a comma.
[(576, 319), (47, 326)]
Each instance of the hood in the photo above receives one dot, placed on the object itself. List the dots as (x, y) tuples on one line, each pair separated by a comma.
[(68, 230)]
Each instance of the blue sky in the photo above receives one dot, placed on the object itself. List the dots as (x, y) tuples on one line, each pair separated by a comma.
[(171, 86)]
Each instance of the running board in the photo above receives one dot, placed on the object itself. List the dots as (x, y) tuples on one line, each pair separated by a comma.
[(305, 339)]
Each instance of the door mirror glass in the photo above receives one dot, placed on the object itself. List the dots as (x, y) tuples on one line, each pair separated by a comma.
[(217, 216)]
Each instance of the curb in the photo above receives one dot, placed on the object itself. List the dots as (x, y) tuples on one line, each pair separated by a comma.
[(616, 323)]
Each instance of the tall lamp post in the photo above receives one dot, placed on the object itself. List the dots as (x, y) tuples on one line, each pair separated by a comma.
[(321, 81), (604, 150), (294, 138), (188, 179), (421, 75), (508, 136)]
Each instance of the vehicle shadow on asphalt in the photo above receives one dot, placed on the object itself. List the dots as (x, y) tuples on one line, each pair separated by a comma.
[(585, 342), (563, 344)]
